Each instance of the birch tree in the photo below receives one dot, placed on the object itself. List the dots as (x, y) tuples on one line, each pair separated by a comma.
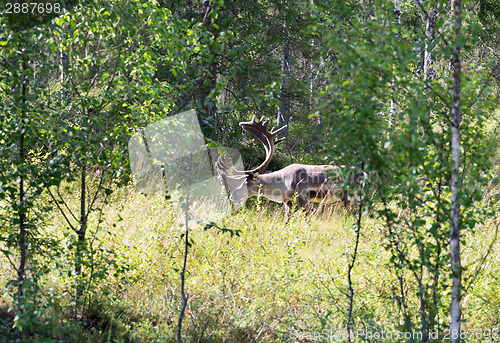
[(417, 173), (456, 263), (284, 99)]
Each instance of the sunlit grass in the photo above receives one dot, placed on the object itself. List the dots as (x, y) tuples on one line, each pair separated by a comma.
[(269, 280), (252, 277)]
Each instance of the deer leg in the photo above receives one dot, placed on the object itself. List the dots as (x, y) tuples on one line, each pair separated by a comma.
[(303, 201), (306, 208), (345, 199), (288, 207)]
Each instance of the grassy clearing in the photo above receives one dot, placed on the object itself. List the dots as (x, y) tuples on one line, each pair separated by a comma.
[(271, 282)]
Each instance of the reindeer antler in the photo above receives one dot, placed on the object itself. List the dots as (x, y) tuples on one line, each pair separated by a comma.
[(224, 165), (260, 130)]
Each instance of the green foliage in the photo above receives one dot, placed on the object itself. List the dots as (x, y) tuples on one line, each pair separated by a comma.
[(102, 264), (383, 113), (80, 75)]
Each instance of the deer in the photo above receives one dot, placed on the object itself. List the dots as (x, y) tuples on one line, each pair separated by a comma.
[(301, 182)]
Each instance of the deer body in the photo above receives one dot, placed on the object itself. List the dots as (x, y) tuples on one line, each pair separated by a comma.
[(284, 184), (305, 183)]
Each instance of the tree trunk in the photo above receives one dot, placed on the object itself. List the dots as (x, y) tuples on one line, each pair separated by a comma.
[(456, 265), (394, 106), (184, 295), (21, 271), (81, 233), (208, 108), (65, 94), (350, 268), (430, 33), (284, 104)]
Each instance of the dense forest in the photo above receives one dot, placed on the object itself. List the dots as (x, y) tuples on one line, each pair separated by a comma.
[(405, 92)]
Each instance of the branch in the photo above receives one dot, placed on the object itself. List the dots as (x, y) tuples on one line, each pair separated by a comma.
[(426, 14), (65, 204), (482, 260), (62, 211), (476, 98), (349, 271), (183, 102), (5, 253), (428, 85), (91, 204), (91, 274)]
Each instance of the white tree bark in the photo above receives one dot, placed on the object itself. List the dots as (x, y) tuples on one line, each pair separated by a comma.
[(284, 104), (394, 106), (430, 32), (456, 264)]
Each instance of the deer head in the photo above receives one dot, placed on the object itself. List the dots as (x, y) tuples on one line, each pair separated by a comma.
[(230, 176)]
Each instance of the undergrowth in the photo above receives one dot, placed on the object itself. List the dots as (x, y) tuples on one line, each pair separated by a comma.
[(250, 278)]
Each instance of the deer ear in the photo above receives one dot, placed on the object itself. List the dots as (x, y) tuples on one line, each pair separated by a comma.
[(252, 176)]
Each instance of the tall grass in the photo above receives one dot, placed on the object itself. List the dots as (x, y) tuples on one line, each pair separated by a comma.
[(267, 281)]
